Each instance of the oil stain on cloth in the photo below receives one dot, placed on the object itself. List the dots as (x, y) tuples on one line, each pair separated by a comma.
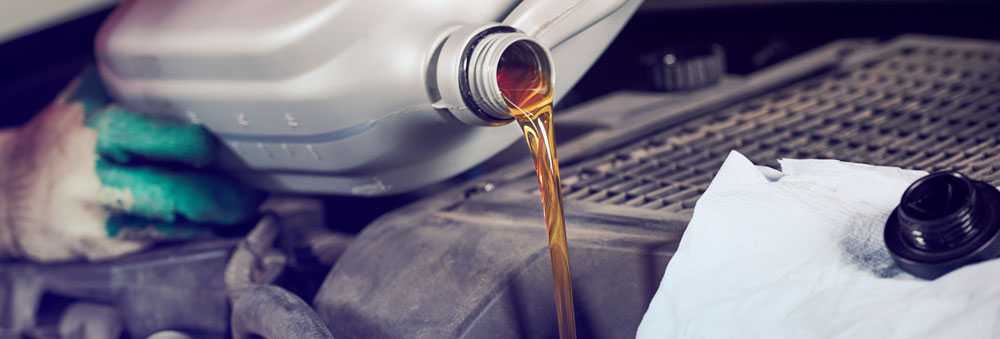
[(799, 254), (864, 246)]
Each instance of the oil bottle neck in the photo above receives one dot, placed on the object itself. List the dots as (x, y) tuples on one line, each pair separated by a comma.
[(468, 66)]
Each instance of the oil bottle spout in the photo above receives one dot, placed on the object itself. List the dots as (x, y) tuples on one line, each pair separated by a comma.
[(468, 66)]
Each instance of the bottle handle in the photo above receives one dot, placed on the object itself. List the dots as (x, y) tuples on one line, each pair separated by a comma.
[(552, 22)]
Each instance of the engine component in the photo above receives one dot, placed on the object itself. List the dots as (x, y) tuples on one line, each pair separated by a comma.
[(465, 263), (685, 68), (944, 221)]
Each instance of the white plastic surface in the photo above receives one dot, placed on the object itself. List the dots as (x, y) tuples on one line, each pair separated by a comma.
[(20, 18), (318, 96), (553, 21)]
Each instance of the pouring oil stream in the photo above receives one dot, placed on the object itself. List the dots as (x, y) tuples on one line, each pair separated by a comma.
[(528, 93)]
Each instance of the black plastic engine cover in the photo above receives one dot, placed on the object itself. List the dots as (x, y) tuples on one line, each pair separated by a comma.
[(482, 271), (472, 262)]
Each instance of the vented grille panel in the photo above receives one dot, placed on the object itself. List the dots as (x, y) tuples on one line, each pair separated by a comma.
[(921, 108)]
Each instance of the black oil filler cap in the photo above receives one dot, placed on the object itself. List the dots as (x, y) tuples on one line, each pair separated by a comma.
[(684, 68), (944, 221)]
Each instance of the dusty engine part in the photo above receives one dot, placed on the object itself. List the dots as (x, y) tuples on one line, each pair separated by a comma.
[(152, 291), (684, 68), (155, 293), (470, 263), (259, 308), (90, 321)]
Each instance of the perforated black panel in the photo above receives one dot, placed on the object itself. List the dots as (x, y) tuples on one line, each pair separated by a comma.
[(927, 108)]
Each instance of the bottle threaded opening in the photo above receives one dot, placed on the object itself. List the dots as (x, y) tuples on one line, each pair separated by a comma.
[(505, 69), (523, 78)]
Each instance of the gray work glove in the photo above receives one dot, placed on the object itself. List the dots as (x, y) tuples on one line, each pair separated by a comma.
[(85, 179)]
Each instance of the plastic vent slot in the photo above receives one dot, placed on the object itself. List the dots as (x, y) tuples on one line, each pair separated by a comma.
[(926, 108)]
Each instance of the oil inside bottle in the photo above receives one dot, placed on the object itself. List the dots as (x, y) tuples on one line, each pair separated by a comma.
[(528, 92)]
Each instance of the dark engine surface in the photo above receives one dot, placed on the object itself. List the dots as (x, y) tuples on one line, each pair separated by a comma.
[(468, 258), (472, 262)]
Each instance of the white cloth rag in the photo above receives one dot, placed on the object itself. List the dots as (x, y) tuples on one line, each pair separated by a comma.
[(799, 254)]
